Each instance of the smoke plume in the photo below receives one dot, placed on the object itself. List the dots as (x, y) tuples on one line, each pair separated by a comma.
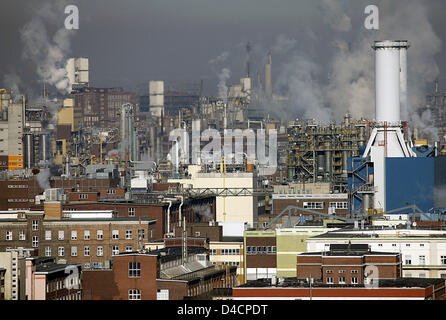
[(223, 77), (43, 178), (48, 52)]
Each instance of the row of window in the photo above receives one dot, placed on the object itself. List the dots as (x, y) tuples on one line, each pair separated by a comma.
[(339, 205), (74, 251), (342, 271), (261, 250), (226, 252), (407, 244), (341, 280), (61, 235)]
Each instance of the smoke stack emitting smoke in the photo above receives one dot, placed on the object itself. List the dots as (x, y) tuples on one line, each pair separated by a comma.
[(300, 76)]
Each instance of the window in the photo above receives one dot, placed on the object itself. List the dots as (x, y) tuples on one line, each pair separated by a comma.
[(354, 271), (313, 205), (380, 244), (128, 234), (341, 280), (341, 271), (100, 252), (47, 251), (422, 259), (74, 251), (134, 269), (408, 259), (35, 225), (339, 205), (61, 251), (354, 280), (213, 251), (421, 244), (407, 244), (115, 250), (115, 234), (197, 233), (393, 244), (22, 235), (141, 234), (111, 191), (100, 234), (131, 212), (9, 235), (128, 249), (61, 235), (73, 235), (48, 235), (134, 294), (443, 259), (35, 241), (329, 271), (83, 196), (329, 280), (86, 251), (86, 234)]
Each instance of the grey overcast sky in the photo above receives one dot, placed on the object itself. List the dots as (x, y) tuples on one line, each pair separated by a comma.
[(130, 42)]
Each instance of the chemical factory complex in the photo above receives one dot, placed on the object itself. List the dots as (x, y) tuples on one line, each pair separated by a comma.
[(168, 193)]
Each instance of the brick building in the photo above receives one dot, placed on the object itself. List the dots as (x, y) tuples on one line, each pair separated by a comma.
[(47, 280), (156, 275), (101, 106), (159, 211), (90, 241), (260, 254), (348, 264)]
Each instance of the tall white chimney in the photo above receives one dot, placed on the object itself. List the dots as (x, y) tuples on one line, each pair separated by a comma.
[(390, 79)]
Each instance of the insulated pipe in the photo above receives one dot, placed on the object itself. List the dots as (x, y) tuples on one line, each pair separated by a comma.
[(179, 209), (168, 216)]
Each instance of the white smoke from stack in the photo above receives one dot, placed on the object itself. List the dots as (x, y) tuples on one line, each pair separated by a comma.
[(12, 83), (223, 77), (43, 179), (335, 15), (48, 54), (352, 86)]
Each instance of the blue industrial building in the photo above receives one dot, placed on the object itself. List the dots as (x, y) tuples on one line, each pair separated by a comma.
[(419, 181)]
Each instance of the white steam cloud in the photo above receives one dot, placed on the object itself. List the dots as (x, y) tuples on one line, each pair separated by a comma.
[(49, 53)]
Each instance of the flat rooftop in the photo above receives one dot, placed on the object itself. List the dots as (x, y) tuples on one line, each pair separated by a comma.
[(383, 283)]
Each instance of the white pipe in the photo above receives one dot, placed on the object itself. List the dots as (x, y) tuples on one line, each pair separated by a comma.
[(168, 216), (179, 209)]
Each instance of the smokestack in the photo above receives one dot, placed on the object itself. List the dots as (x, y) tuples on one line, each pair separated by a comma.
[(390, 79), (268, 87), (248, 60)]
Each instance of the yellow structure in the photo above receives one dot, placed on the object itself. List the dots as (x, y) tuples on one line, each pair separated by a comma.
[(15, 163), (69, 114)]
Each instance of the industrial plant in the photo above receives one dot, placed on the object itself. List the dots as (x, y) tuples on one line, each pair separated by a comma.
[(195, 195)]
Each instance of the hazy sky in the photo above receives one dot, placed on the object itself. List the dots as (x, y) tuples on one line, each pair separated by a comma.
[(130, 42)]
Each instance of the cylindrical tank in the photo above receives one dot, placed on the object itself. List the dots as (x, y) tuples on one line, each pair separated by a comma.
[(44, 145), (29, 150), (345, 155), (365, 202), (387, 79), (320, 163)]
